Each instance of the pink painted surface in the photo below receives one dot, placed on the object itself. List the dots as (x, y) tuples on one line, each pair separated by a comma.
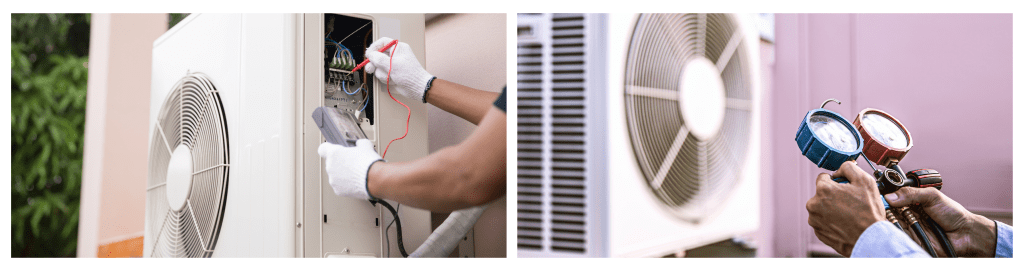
[(947, 77)]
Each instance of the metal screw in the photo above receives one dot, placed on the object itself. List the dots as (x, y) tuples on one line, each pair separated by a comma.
[(298, 225)]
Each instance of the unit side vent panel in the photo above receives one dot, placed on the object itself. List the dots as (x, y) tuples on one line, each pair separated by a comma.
[(529, 147), (551, 139), (568, 146)]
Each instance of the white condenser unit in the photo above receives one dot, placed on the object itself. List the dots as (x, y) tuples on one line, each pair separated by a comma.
[(638, 135), (233, 164)]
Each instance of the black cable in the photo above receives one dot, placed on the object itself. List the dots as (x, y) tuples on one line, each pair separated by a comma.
[(927, 244), (943, 239), (387, 229), (398, 224)]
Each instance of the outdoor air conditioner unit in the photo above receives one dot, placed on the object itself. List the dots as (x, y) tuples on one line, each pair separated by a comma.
[(233, 164), (638, 135)]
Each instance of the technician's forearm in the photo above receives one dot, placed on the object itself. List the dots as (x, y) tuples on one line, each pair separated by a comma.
[(426, 183), (466, 102)]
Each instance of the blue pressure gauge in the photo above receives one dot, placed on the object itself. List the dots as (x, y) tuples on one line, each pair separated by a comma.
[(828, 139)]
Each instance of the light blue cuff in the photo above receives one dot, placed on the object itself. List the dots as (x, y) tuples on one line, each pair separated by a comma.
[(884, 240), (1004, 240)]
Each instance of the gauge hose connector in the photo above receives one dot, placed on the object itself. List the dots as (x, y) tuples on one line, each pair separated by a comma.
[(918, 230)]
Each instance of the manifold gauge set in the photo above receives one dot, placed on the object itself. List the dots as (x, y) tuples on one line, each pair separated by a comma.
[(828, 140)]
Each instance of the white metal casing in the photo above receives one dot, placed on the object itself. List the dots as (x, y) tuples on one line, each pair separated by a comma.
[(623, 217), (258, 63)]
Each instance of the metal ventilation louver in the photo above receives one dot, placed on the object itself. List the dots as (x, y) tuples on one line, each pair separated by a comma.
[(688, 107), (553, 113), (529, 204), (188, 171)]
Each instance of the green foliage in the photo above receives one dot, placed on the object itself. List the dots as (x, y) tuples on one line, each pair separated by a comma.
[(175, 18), (48, 85)]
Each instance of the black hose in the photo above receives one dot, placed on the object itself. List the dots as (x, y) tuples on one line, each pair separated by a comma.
[(943, 239), (927, 244), (398, 224)]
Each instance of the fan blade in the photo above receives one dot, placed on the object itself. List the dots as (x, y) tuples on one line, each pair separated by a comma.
[(650, 92), (670, 158), (730, 49)]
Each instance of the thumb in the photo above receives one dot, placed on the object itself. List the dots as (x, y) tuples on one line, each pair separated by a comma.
[(907, 196)]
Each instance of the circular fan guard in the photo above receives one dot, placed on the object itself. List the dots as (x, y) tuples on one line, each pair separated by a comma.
[(691, 176), (192, 116)]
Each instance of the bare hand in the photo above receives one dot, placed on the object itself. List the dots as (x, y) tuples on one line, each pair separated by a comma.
[(839, 213), (971, 235)]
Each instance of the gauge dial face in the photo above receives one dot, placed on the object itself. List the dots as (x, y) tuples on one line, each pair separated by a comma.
[(884, 130), (833, 132)]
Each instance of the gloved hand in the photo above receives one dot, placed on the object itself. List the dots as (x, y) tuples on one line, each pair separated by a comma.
[(347, 167), (407, 76)]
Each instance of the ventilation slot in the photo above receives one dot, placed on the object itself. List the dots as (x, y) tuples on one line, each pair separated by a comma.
[(568, 153), (529, 147)]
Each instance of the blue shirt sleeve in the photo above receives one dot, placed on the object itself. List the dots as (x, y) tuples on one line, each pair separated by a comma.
[(1004, 240), (884, 240)]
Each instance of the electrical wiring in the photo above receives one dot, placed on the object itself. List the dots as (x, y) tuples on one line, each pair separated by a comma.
[(345, 89), (366, 100), (353, 32), (387, 229), (409, 116), (398, 224)]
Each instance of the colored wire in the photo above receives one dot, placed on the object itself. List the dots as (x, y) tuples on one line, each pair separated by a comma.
[(339, 46), (345, 89), (366, 101), (409, 116)]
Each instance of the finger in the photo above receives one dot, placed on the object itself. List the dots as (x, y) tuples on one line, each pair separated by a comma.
[(824, 181), (325, 148), (853, 174), (370, 68), (379, 43), (380, 60), (364, 143), (907, 196)]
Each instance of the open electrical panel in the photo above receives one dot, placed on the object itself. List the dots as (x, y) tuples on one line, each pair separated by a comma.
[(345, 42)]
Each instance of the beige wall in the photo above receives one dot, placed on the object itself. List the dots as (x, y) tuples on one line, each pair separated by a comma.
[(116, 134), (469, 49)]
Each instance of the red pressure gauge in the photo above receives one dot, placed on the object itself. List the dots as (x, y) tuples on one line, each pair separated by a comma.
[(886, 140)]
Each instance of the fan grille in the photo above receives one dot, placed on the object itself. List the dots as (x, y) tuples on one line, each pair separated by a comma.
[(688, 174), (192, 116)]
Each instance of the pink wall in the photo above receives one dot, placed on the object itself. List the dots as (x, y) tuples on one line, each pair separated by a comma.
[(947, 77), (117, 114)]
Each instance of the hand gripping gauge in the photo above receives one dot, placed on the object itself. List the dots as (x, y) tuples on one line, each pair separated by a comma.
[(828, 139)]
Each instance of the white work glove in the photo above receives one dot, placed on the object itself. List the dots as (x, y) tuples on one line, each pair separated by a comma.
[(347, 167), (407, 76)]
